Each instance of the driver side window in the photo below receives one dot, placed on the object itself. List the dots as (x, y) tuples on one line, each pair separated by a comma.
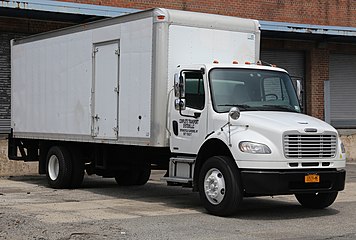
[(194, 90)]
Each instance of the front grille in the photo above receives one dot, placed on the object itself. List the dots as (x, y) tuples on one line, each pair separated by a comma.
[(309, 146)]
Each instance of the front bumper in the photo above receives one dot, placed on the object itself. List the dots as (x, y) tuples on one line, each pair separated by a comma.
[(279, 182)]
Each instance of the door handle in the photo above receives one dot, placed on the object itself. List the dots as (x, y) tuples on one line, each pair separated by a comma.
[(175, 128)]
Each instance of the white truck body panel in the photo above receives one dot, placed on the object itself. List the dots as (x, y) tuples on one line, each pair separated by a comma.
[(214, 45), (51, 85), (63, 90)]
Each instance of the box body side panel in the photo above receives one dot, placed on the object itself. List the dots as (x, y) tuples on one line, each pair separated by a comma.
[(51, 84), (53, 88), (135, 83)]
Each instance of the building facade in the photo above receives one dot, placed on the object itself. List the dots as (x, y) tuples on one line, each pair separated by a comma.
[(314, 40)]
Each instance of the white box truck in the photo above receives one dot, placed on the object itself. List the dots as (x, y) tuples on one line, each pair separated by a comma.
[(173, 90)]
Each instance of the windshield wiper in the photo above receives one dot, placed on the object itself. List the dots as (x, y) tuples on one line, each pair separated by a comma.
[(240, 106), (281, 107)]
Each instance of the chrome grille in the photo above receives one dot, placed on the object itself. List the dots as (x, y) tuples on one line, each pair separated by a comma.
[(309, 146)]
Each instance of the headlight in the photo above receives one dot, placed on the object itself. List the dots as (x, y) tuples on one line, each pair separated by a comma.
[(251, 147), (342, 148)]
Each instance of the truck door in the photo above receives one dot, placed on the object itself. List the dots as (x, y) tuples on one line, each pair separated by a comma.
[(105, 90), (189, 124)]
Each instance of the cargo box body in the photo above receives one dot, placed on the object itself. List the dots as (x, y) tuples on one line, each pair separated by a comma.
[(110, 81)]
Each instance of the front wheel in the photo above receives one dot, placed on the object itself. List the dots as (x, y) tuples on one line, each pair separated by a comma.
[(316, 200), (220, 186)]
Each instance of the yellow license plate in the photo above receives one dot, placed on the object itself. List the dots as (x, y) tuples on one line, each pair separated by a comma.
[(312, 178)]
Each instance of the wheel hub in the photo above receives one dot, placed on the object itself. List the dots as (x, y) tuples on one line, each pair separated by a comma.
[(214, 186), (53, 167)]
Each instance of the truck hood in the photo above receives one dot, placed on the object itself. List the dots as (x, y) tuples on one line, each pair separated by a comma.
[(270, 128), (284, 121)]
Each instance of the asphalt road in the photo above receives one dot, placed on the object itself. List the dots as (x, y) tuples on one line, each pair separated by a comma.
[(103, 210)]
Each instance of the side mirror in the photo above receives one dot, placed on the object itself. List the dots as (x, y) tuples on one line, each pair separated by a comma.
[(176, 85), (299, 90), (298, 85), (234, 113), (179, 86), (182, 86), (179, 92)]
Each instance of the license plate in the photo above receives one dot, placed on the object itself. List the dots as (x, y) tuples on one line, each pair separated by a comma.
[(312, 178)]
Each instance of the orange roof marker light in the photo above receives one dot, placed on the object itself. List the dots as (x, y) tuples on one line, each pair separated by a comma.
[(235, 62), (248, 63), (161, 17), (215, 61)]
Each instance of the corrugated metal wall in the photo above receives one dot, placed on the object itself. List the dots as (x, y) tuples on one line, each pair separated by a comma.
[(342, 75), (5, 77)]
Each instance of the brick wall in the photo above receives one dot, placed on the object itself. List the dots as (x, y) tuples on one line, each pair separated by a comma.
[(328, 12), (319, 60), (28, 26)]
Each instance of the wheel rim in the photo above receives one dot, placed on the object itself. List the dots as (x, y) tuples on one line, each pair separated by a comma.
[(53, 167), (214, 186)]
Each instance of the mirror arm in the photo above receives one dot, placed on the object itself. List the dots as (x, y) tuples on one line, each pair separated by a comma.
[(196, 114)]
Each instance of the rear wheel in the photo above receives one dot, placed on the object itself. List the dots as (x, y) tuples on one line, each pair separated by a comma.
[(133, 177), (58, 167), (77, 171), (219, 186), (316, 200), (144, 176), (63, 169), (126, 178)]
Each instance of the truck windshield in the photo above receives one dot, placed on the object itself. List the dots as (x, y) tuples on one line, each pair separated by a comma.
[(252, 90)]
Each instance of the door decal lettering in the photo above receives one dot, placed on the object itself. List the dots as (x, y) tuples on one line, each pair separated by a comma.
[(188, 126)]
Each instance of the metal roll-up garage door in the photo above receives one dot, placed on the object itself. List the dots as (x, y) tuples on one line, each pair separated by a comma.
[(5, 84), (342, 76), (292, 61)]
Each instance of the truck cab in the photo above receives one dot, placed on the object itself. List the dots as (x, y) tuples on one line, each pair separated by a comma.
[(238, 130)]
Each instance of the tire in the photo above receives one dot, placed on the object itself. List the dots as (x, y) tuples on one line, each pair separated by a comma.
[(133, 177), (127, 178), (220, 186), (316, 200), (77, 171), (144, 176), (59, 167)]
